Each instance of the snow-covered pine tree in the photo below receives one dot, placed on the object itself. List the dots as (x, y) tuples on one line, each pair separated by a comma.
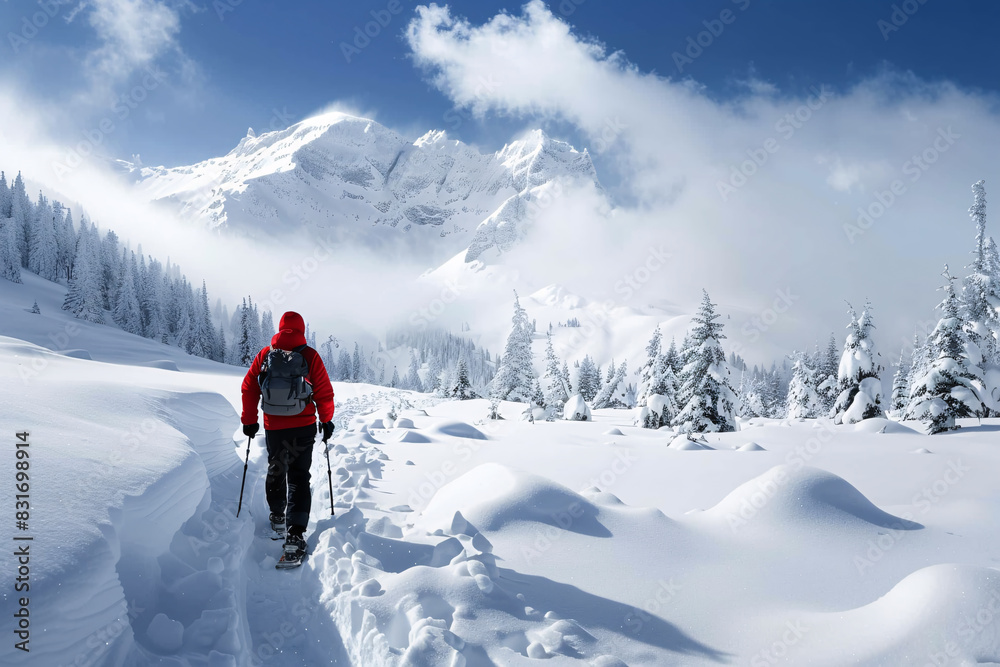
[(752, 399), (267, 329), (109, 268), (21, 212), (900, 389), (10, 258), (210, 343), (555, 392), (343, 373), (827, 375), (245, 344), (803, 400), (4, 198), (460, 387), (394, 382), (413, 374), (184, 331), (35, 309), (515, 376), (708, 396), (860, 389), (588, 379), (356, 371), (538, 396), (84, 297), (66, 242), (980, 291), (434, 369), (952, 386), (151, 302), (126, 313), (661, 404), (673, 358), (42, 257), (648, 371), (220, 336), (565, 377), (612, 394)]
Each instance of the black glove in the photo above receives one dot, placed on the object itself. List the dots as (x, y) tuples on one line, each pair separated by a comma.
[(327, 430), (250, 430)]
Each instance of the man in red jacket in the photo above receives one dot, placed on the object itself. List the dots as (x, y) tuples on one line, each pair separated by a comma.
[(290, 439)]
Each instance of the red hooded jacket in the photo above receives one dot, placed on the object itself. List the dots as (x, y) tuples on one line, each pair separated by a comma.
[(291, 334)]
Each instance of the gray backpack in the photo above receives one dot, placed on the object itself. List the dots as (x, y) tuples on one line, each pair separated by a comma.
[(284, 390)]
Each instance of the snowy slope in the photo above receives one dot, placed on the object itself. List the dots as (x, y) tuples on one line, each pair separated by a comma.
[(353, 180), (459, 541)]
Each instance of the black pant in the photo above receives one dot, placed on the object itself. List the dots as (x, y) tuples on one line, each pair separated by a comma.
[(289, 455)]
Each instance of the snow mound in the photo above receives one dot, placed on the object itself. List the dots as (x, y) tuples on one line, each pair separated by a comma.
[(880, 425), (684, 444), (492, 496), (410, 436), (162, 364), (404, 422), (945, 600), (922, 450), (613, 431), (750, 447), (76, 354), (811, 498), (457, 429)]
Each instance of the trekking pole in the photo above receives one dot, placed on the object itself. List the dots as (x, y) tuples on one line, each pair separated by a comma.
[(329, 474), (245, 464)]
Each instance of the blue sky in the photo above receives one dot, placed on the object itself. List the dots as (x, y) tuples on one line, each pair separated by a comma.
[(228, 64)]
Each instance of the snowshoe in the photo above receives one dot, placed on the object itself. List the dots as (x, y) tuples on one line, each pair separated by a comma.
[(295, 553), (277, 526)]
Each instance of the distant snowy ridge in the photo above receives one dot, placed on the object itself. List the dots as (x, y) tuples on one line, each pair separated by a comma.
[(362, 182)]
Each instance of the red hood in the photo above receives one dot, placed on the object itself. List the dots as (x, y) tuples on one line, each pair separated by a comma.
[(292, 332)]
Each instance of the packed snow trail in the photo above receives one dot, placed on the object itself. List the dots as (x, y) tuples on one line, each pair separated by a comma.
[(289, 625)]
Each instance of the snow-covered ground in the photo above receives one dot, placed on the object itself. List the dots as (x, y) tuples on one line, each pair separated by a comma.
[(463, 542)]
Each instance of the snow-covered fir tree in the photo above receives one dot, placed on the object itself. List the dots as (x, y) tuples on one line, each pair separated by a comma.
[(343, 372), (460, 386), (708, 396), (556, 390), (648, 371), (803, 400), (245, 346), (515, 376), (42, 251), (84, 297), (267, 329), (860, 389), (413, 374), (588, 379), (826, 374), (981, 292), (900, 388), (126, 313), (952, 386), (434, 368), (10, 258), (394, 382)]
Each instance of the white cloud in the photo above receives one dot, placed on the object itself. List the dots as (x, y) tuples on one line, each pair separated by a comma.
[(133, 34), (754, 195)]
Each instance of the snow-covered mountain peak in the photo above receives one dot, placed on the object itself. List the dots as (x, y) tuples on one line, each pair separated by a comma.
[(435, 139), (364, 183)]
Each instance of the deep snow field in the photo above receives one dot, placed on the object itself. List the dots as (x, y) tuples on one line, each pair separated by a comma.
[(463, 542)]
